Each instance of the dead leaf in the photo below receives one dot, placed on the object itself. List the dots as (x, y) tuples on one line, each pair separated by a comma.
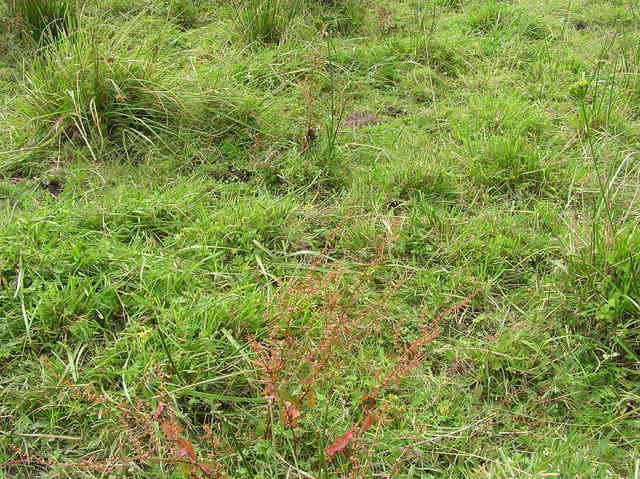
[(171, 431), (186, 449), (368, 422), (340, 443), (310, 400), (290, 414), (310, 138)]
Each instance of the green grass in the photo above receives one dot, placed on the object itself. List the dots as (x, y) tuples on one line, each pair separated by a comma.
[(265, 21), (231, 234), (44, 21)]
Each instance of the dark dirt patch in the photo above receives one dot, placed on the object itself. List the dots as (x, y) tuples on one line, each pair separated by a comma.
[(54, 187), (580, 26), (233, 175), (394, 112), (356, 120)]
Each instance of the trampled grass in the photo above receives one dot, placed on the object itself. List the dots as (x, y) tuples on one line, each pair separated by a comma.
[(318, 239)]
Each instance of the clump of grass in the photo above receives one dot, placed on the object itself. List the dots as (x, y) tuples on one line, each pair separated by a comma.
[(509, 165), (339, 16), (88, 90), (321, 167), (94, 89), (607, 271), (491, 17), (445, 58), (604, 275), (184, 13), (265, 22), (44, 20), (608, 275)]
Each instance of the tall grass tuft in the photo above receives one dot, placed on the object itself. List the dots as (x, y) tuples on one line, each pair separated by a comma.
[(607, 271), (87, 90), (266, 21), (607, 276), (45, 20), (338, 16)]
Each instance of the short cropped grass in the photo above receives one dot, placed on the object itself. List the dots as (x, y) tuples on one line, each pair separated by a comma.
[(320, 239)]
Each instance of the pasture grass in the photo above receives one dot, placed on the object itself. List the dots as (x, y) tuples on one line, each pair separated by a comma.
[(273, 239)]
